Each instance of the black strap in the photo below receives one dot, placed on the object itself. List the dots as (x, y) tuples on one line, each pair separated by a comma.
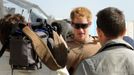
[(115, 45), (4, 47), (2, 50)]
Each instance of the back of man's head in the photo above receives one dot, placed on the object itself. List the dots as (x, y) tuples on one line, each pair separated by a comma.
[(111, 21)]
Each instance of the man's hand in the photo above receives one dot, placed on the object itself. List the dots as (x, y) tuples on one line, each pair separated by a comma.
[(22, 25)]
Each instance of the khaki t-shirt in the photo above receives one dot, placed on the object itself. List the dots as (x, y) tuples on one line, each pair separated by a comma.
[(79, 51)]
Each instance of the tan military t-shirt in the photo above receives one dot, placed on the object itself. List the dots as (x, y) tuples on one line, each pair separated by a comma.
[(79, 51)]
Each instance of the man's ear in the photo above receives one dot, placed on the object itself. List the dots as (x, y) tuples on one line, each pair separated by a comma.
[(100, 32), (89, 23), (123, 33), (101, 36)]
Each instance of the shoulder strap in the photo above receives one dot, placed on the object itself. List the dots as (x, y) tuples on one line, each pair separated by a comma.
[(114, 45)]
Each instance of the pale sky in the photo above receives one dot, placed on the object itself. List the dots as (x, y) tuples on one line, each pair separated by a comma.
[(61, 9)]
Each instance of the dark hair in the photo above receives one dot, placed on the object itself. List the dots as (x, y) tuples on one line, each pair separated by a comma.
[(111, 21), (7, 24)]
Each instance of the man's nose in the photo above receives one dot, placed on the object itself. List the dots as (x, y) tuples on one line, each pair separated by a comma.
[(81, 30)]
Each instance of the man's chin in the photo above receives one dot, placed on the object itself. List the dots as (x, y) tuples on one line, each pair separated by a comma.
[(81, 38)]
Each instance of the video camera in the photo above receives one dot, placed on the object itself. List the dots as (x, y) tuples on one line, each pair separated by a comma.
[(38, 25), (41, 24)]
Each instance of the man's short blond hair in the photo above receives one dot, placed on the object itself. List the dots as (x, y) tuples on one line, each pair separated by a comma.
[(81, 12)]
